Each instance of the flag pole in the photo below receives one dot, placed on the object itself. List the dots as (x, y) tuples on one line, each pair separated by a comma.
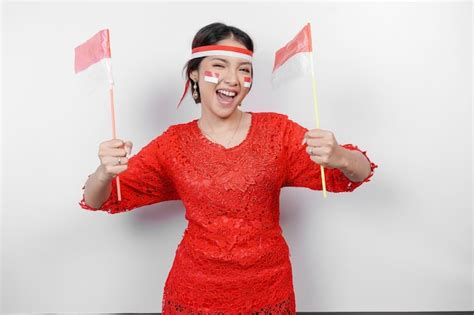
[(316, 111), (114, 135), (108, 65)]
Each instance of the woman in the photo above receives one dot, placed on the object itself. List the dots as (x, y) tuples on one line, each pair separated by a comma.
[(228, 168)]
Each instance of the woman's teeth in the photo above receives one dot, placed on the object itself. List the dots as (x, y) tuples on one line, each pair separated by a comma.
[(231, 94)]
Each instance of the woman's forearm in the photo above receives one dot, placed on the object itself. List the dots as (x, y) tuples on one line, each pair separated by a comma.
[(97, 189), (356, 166)]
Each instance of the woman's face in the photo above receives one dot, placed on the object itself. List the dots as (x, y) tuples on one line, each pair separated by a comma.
[(227, 73)]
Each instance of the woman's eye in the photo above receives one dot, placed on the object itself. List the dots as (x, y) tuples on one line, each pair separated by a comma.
[(221, 66)]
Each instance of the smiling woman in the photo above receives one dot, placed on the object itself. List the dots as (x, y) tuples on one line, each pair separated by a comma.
[(228, 168)]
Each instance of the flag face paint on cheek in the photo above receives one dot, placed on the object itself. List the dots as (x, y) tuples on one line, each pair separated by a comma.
[(211, 77), (247, 82)]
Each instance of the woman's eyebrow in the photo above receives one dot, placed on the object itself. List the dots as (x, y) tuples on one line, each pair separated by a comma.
[(242, 63)]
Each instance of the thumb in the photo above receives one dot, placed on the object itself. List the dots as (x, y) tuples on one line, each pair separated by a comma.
[(128, 147)]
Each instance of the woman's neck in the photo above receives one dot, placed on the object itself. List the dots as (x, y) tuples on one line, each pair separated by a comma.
[(220, 125)]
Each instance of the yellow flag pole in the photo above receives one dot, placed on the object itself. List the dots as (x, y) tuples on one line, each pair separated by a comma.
[(316, 111)]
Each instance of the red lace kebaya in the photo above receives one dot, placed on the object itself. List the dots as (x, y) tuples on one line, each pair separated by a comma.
[(232, 258)]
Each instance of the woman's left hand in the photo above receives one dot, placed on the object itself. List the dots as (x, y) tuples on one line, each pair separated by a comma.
[(323, 148)]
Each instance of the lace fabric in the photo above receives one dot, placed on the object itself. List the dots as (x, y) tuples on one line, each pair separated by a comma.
[(233, 258), (284, 307), (304, 172), (145, 182)]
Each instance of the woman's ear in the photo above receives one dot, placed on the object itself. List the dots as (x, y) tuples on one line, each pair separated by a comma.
[(194, 75)]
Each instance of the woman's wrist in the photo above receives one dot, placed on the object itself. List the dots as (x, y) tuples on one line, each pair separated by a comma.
[(354, 165), (102, 175)]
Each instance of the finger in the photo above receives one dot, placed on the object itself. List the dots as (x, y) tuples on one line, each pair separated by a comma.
[(304, 141), (305, 138), (315, 133), (128, 147), (113, 152), (318, 160), (114, 161), (116, 143), (314, 151), (314, 142)]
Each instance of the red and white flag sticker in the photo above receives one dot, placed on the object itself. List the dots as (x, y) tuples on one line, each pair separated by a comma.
[(211, 77)]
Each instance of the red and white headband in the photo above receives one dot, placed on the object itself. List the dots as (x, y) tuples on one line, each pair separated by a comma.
[(217, 50)]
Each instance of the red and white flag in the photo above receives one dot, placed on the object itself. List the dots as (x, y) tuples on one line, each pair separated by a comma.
[(294, 59), (95, 49), (88, 54)]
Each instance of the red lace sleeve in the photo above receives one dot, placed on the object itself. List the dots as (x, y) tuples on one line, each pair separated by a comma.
[(304, 172), (146, 181)]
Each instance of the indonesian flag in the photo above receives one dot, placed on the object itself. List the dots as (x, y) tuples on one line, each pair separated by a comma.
[(87, 55), (96, 49), (294, 59)]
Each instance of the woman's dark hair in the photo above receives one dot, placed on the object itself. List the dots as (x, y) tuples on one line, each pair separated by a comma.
[(210, 35)]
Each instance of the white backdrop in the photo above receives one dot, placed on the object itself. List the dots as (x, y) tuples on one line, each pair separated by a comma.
[(392, 78)]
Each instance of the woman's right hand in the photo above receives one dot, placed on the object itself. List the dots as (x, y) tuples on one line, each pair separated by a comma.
[(112, 152)]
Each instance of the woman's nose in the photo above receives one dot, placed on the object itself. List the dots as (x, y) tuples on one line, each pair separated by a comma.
[(231, 77)]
